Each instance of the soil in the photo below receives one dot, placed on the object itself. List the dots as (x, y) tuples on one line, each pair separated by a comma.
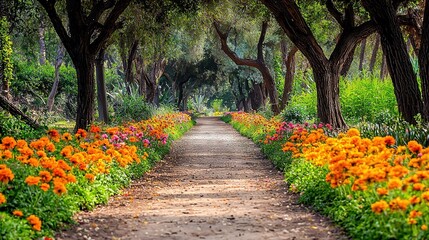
[(215, 184)]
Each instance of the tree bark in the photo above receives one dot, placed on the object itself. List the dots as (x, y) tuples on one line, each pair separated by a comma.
[(58, 63), (408, 96), (103, 115), (129, 65), (374, 53), (289, 61), (12, 109), (362, 54), (256, 96), (383, 68), (424, 61)]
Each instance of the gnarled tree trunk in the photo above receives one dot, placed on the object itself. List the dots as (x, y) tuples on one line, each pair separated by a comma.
[(103, 115), (58, 63)]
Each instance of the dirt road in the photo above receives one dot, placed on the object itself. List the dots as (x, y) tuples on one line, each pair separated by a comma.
[(215, 184)]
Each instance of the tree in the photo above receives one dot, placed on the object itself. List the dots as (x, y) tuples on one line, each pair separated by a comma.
[(423, 57), (258, 63), (408, 96), (326, 70), (89, 28)]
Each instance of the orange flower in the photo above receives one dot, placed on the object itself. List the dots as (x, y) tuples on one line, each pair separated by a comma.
[(2, 198), (90, 177), (419, 186), (45, 176), (353, 132), (50, 147), (424, 227), (67, 136), (21, 143), (17, 213), (59, 188), (382, 191), (53, 133), (31, 180), (35, 222), (425, 196), (414, 200), (414, 146), (8, 142), (63, 165), (7, 154), (415, 214), (412, 221), (45, 187), (94, 129), (394, 183), (399, 203), (71, 178), (58, 172), (389, 140), (6, 174), (379, 206), (81, 133)]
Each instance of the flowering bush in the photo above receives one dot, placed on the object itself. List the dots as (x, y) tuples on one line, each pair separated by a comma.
[(375, 188), (45, 181)]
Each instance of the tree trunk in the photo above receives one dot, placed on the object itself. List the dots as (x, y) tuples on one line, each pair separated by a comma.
[(129, 65), (103, 115), (12, 109), (362, 54), (141, 76), (42, 44), (289, 61), (407, 92), (424, 61), (86, 94), (328, 101), (256, 96), (58, 63), (383, 68), (374, 53)]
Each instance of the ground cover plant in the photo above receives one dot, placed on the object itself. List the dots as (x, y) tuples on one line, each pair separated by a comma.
[(44, 181), (376, 188)]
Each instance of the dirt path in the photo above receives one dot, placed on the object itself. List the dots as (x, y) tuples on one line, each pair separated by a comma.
[(215, 184)]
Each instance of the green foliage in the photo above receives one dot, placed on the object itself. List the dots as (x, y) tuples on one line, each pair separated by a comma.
[(367, 99), (10, 126), (294, 114), (217, 105), (5, 51)]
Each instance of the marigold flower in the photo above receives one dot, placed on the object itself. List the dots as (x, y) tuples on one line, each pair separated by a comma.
[(90, 177), (31, 180), (94, 129), (21, 143), (424, 227), (81, 133), (414, 146), (17, 213), (419, 186), (2, 198), (67, 137), (8, 142), (414, 200), (50, 147), (58, 172), (53, 133), (35, 222), (382, 191), (394, 183), (45, 187), (7, 154), (379, 206), (415, 214), (59, 188), (45, 176), (6, 174), (71, 178), (353, 132), (399, 203), (389, 140)]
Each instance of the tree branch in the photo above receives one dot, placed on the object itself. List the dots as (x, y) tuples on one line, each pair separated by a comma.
[(335, 13), (260, 56), (49, 6), (231, 54), (109, 25)]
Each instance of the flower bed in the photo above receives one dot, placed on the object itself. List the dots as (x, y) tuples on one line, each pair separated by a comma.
[(372, 187), (45, 181)]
